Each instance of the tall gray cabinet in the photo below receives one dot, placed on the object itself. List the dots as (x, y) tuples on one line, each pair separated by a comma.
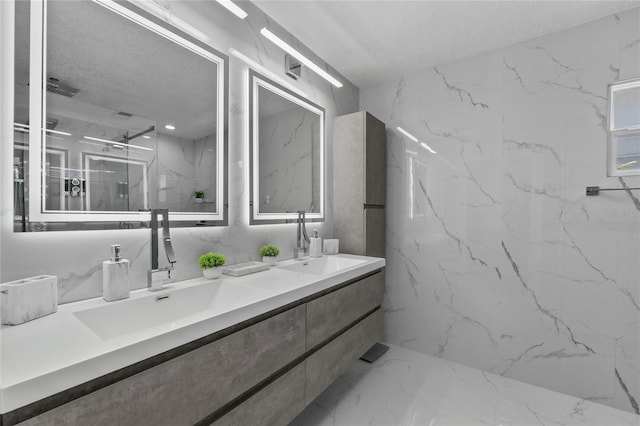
[(359, 183)]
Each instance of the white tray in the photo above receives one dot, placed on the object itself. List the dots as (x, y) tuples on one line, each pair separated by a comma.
[(245, 268)]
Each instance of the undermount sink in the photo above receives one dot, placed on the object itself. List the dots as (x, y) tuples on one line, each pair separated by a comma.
[(168, 308), (322, 265)]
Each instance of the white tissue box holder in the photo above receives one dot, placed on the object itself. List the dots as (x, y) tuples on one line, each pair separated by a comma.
[(27, 299), (330, 246)]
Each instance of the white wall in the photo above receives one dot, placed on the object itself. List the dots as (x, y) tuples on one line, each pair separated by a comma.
[(495, 256), (76, 257)]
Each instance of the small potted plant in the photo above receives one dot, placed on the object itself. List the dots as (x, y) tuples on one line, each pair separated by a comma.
[(199, 195), (211, 264), (269, 254)]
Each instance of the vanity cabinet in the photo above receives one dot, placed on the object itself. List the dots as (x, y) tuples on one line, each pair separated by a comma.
[(263, 371), (341, 326), (333, 359), (277, 404), (333, 312), (187, 388), (359, 183)]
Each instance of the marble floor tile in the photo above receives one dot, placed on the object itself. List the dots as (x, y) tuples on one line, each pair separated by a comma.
[(406, 387)]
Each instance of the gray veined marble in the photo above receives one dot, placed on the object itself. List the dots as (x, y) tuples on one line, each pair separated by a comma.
[(405, 387), (286, 161), (28, 299), (495, 257)]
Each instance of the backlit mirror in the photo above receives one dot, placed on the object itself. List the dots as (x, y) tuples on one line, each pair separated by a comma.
[(116, 112), (286, 154)]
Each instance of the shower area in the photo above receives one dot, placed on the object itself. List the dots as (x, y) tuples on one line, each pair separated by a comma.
[(87, 166), (499, 257)]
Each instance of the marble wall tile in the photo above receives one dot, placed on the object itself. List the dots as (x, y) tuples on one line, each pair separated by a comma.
[(495, 256), (288, 150), (407, 387), (184, 166), (76, 257)]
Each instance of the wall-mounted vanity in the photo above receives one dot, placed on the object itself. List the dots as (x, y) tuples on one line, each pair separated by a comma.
[(249, 350), (123, 113)]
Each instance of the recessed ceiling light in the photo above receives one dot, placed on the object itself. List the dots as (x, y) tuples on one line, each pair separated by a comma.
[(299, 56), (169, 127)]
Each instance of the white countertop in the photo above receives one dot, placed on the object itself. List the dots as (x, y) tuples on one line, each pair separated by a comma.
[(56, 352)]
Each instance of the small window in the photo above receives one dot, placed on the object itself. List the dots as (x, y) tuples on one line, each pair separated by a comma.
[(624, 128)]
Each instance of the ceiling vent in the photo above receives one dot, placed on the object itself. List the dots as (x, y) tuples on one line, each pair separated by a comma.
[(52, 123), (56, 86)]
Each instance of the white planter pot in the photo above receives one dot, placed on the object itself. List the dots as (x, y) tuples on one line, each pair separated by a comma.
[(212, 273), (198, 200), (271, 260)]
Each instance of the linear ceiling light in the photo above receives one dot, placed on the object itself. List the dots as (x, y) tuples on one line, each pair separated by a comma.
[(427, 147), (407, 134), (20, 128), (25, 129), (233, 8), (58, 132), (299, 56), (86, 170), (413, 138), (120, 144)]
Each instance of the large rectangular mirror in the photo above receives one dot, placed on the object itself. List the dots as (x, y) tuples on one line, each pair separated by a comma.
[(286, 154), (138, 108)]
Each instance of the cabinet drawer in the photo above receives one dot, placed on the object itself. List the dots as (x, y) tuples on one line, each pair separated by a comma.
[(277, 404), (374, 232), (334, 311), (327, 364), (186, 389)]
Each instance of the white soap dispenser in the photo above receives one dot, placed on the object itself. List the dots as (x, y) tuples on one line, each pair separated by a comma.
[(315, 245), (115, 276)]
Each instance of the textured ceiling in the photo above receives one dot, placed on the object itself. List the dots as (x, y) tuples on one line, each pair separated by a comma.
[(374, 41), (122, 67)]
